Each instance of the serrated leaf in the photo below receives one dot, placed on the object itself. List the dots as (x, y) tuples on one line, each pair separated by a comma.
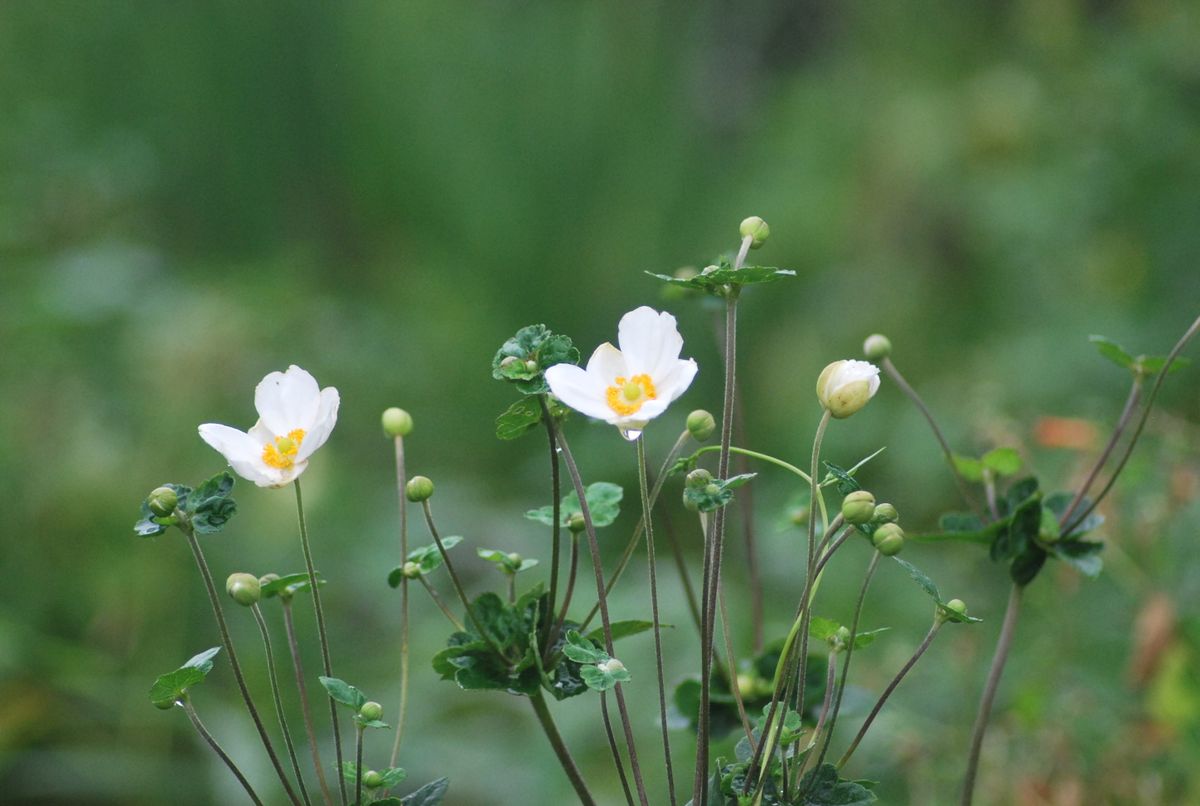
[(582, 650), (603, 678), (343, 692), (519, 418), (536, 344), (171, 687), (846, 483), (921, 578), (1112, 351), (821, 628), (714, 279), (1002, 461), (622, 629), (823, 787), (1026, 565), (603, 500), (392, 776), (291, 583), (210, 506), (429, 557), (1083, 555), (716, 493)]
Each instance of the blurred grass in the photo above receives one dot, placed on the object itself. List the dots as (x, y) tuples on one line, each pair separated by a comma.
[(193, 194)]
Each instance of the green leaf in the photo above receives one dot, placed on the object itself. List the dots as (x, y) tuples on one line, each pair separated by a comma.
[(371, 723), (716, 493), (1083, 555), (429, 557), (518, 418), (582, 650), (429, 795), (867, 637), (921, 578), (1027, 564), (1112, 351), (343, 692), (823, 787), (714, 279), (622, 629), (968, 467), (169, 688), (846, 483), (392, 776), (1153, 364), (821, 628), (1002, 461), (1058, 503), (603, 500), (602, 677), (150, 525), (536, 344), (210, 506), (289, 583)]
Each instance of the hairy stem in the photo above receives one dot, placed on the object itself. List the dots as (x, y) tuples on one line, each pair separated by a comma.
[(298, 667), (221, 754), (325, 659), (401, 483), (358, 768), (283, 725), (550, 628), (560, 748), (1126, 414), (437, 600), (616, 751), (989, 692)]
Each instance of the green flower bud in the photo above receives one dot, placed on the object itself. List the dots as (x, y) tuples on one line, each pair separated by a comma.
[(514, 559), (371, 711), (611, 666), (418, 489), (858, 507), (509, 363), (798, 516), (886, 513), (162, 501), (265, 580), (701, 425), (397, 422), (844, 387), (756, 229), (957, 606), (576, 523), (712, 489), (877, 347), (698, 478), (888, 539), (840, 639), (244, 588), (410, 570), (747, 685), (531, 366), (689, 504), (372, 779)]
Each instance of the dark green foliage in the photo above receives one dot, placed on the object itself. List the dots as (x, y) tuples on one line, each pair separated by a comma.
[(533, 349)]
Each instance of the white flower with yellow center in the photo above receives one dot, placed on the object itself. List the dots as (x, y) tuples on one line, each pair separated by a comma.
[(630, 386), (295, 417), (844, 387)]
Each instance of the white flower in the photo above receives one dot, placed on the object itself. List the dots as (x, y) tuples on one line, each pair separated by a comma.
[(633, 385), (295, 417), (845, 386)]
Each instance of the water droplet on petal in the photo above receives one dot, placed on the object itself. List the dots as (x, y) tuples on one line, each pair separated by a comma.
[(630, 433)]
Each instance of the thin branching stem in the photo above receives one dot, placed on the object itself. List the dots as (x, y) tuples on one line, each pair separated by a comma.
[(401, 483), (358, 767), (1126, 414), (681, 565), (326, 662), (283, 725), (216, 748), (616, 751), (227, 642), (298, 667), (550, 628), (456, 582), (560, 748), (643, 485)]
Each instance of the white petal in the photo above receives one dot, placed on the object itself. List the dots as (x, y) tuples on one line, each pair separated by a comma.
[(677, 380), (580, 390), (649, 341), (326, 419), (261, 434), (607, 363), (288, 400), (242, 451)]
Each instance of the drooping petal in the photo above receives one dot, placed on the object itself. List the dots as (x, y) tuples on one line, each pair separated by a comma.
[(607, 363), (649, 340), (288, 400), (326, 418), (242, 451), (580, 390)]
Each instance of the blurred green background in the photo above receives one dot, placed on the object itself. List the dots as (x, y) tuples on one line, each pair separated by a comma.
[(194, 194)]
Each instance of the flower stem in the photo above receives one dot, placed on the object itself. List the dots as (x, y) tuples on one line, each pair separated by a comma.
[(358, 770), (601, 595), (658, 656), (401, 481), (762, 457), (681, 565), (550, 629), (616, 751), (712, 566), (283, 726), (298, 667), (989, 692), (1126, 414), (221, 754), (963, 489), (227, 642), (457, 583), (560, 748), (631, 546), (573, 565), (437, 600), (726, 631), (1158, 382), (887, 692), (321, 634)]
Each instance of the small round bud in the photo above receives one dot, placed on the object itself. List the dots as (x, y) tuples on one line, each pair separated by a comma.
[(372, 779), (397, 422), (162, 501), (701, 425), (371, 711), (798, 516), (756, 229), (888, 539), (746, 684), (509, 363), (858, 507), (611, 666), (886, 513), (712, 489), (265, 580), (576, 523), (877, 347), (418, 489), (531, 366), (840, 638), (698, 478), (244, 588), (957, 606), (410, 570), (514, 559), (689, 504)]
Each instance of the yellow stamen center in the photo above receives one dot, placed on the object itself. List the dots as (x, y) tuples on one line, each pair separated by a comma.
[(627, 395), (281, 453)]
